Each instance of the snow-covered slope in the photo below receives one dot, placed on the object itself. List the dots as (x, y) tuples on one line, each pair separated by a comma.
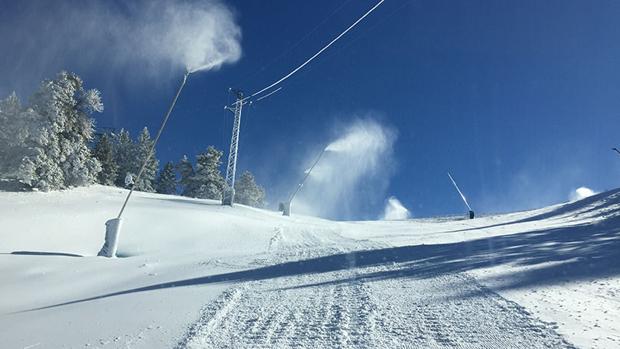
[(192, 273)]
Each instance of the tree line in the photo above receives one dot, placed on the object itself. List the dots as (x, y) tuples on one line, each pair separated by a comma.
[(121, 157), (50, 144)]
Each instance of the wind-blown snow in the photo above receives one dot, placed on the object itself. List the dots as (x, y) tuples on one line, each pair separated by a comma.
[(134, 40), (394, 210), (199, 35), (363, 137), (355, 168), (192, 273), (581, 193)]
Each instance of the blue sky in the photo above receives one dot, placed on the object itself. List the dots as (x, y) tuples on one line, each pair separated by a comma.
[(518, 99)]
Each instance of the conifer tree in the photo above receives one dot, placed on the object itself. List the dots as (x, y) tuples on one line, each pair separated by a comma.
[(207, 177), (247, 192), (19, 130), (166, 182), (61, 155), (104, 152), (124, 154), (186, 172), (143, 147)]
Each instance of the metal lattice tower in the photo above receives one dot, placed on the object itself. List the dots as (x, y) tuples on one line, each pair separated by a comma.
[(228, 197)]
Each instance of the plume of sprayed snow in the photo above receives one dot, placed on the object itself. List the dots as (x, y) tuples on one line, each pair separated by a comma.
[(198, 35), (134, 39), (394, 210), (353, 171), (581, 193), (360, 137)]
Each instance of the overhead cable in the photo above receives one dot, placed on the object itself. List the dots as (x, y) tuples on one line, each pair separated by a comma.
[(318, 53)]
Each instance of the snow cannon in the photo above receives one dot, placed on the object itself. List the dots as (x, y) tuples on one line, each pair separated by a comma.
[(112, 230), (471, 211), (113, 226), (286, 206)]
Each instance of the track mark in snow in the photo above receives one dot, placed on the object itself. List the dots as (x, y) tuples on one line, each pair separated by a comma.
[(336, 316), (454, 311), (211, 319), (275, 239), (32, 346), (345, 310), (376, 306)]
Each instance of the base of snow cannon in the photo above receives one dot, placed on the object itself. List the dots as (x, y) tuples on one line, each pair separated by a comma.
[(286, 208), (112, 230)]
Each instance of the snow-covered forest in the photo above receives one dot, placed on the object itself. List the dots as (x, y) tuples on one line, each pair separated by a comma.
[(51, 143)]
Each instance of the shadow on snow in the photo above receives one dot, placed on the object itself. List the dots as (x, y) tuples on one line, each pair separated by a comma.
[(186, 200), (44, 253), (580, 252), (601, 202)]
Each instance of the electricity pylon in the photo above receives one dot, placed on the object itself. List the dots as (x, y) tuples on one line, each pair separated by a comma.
[(228, 197)]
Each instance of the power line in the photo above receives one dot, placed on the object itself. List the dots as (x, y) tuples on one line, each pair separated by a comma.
[(269, 94), (363, 32), (295, 45), (318, 53), (236, 108)]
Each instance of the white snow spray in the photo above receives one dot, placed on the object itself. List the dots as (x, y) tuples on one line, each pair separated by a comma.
[(136, 40), (199, 35), (581, 193), (394, 210), (353, 171)]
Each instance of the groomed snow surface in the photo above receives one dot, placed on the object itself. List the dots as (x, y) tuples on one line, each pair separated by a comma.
[(194, 274)]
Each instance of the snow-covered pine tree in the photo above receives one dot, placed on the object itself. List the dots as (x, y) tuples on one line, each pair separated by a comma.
[(11, 141), (143, 147), (207, 177), (62, 157), (247, 192), (186, 172), (19, 128), (124, 155), (167, 181), (104, 152)]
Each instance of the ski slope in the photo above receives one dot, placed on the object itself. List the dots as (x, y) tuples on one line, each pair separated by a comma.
[(194, 274)]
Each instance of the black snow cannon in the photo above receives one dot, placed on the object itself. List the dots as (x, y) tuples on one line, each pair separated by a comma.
[(471, 212)]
